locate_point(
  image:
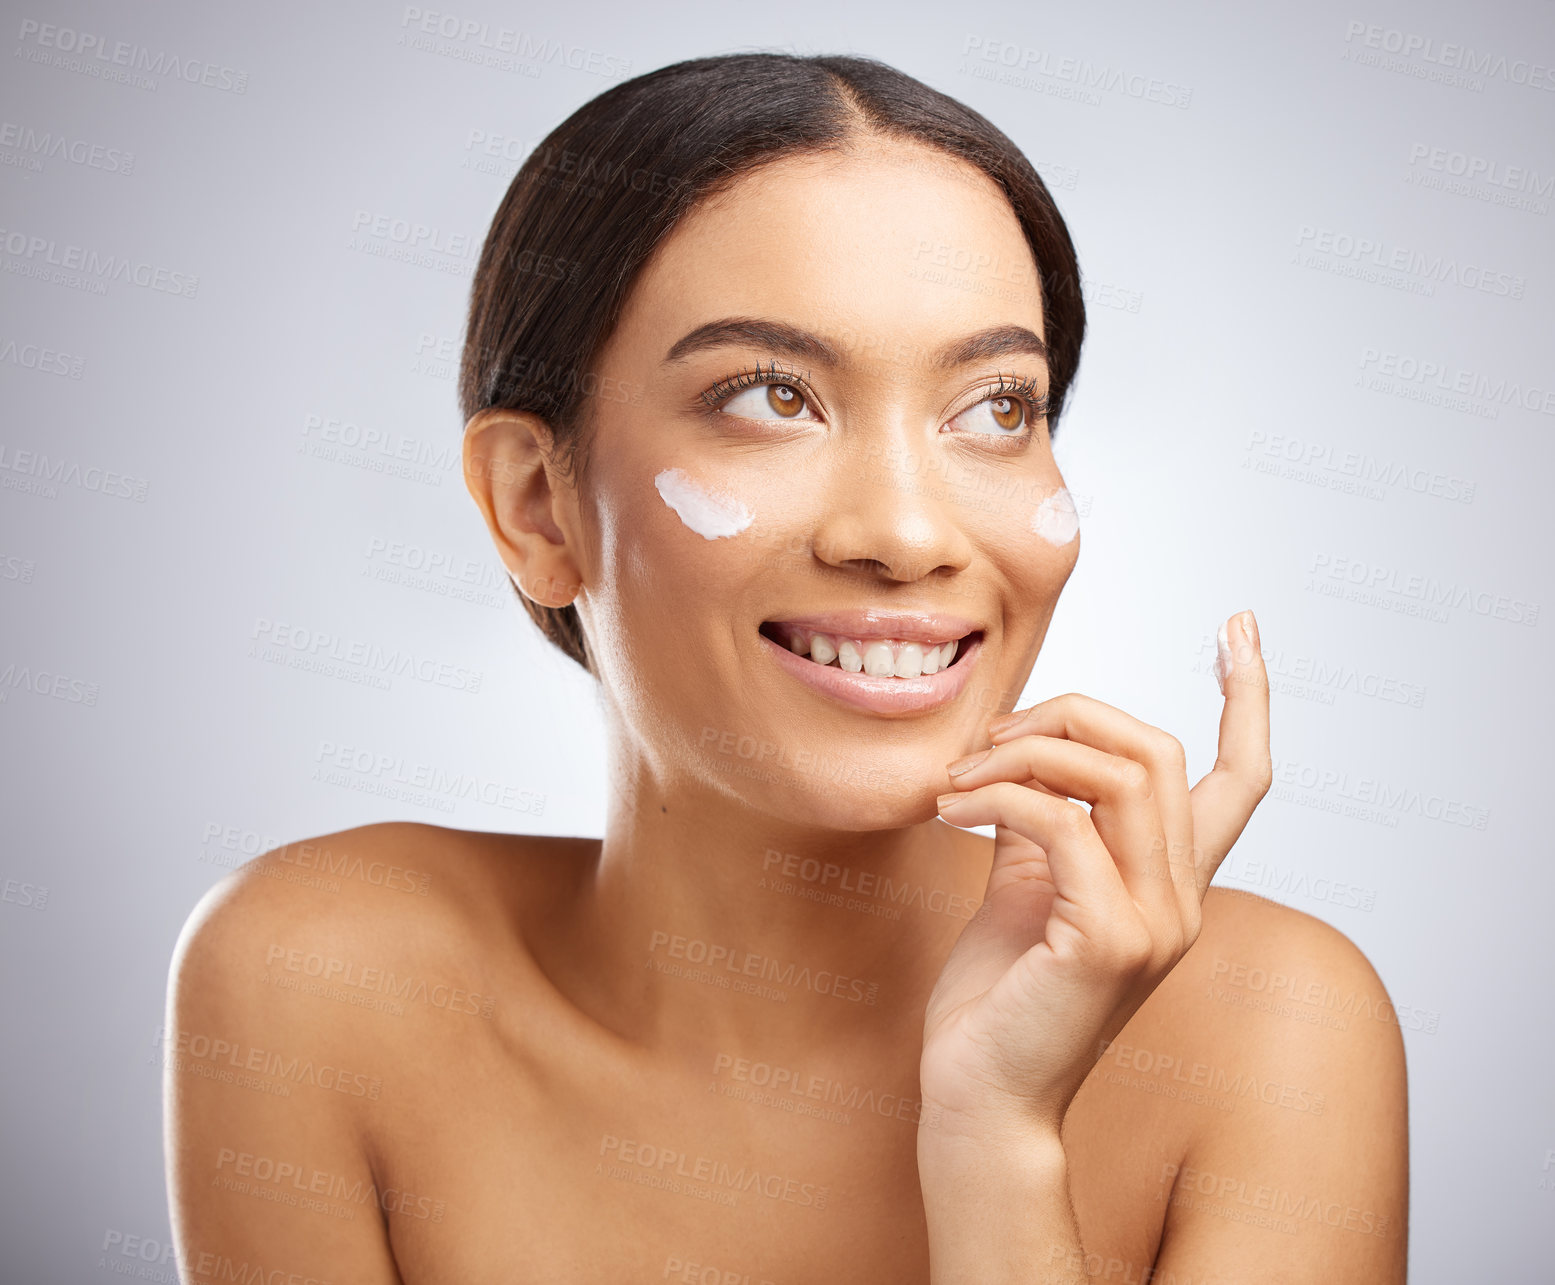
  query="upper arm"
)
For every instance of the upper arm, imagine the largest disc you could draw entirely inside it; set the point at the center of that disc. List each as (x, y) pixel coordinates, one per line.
(264, 1096)
(1303, 1173)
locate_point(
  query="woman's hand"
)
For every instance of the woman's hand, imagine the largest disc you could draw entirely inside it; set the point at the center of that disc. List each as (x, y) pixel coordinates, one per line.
(1086, 912)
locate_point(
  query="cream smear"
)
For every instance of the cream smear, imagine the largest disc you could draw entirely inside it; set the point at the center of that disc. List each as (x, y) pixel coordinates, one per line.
(710, 516)
(1055, 519)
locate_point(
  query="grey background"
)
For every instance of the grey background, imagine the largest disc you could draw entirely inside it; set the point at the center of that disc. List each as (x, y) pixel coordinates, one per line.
(1410, 750)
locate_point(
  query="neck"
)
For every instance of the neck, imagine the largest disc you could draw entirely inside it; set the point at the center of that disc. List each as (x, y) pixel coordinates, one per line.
(714, 926)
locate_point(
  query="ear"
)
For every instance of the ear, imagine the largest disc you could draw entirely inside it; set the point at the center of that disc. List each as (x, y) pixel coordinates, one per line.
(529, 506)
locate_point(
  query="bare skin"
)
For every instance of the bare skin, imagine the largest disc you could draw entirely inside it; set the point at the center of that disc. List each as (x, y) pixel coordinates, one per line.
(564, 1096)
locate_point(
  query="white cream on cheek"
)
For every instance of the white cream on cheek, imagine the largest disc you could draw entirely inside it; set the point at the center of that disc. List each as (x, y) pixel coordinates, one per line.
(710, 515)
(1055, 519)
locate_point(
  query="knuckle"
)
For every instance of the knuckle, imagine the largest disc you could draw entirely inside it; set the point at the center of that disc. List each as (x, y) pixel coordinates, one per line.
(1061, 707)
(1192, 924)
(1071, 820)
(1132, 776)
(1172, 753)
(1006, 793)
(1133, 946)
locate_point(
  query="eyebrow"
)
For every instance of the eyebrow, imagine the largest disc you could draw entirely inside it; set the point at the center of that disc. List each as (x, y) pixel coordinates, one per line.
(779, 336)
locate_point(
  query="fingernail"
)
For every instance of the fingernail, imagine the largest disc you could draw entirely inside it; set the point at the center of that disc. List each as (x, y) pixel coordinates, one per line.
(1250, 628)
(1003, 722)
(968, 763)
(1222, 666)
(949, 800)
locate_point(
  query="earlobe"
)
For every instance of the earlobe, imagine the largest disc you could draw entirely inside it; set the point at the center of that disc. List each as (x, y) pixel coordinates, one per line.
(547, 591)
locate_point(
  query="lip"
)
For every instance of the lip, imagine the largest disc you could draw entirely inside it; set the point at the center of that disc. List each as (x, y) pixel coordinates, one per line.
(870, 626)
(880, 695)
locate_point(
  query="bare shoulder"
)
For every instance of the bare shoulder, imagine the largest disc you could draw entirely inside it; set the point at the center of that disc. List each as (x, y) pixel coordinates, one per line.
(392, 888)
(1256, 955)
(350, 941)
(1266, 984)
(1292, 1041)
(307, 988)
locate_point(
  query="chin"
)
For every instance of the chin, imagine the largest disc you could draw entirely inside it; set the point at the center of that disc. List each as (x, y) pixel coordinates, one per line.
(837, 792)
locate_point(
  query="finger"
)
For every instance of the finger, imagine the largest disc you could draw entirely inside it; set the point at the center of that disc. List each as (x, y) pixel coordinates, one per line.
(1224, 799)
(1085, 879)
(1123, 807)
(1092, 722)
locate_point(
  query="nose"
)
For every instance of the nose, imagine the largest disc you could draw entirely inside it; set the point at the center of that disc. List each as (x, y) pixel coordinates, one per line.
(884, 513)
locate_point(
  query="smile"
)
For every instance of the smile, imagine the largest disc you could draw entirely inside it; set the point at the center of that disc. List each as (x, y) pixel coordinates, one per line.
(877, 657)
(886, 665)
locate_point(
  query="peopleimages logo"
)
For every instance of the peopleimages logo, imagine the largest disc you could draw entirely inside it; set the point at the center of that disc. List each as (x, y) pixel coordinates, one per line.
(1443, 377)
(829, 879)
(523, 45)
(280, 639)
(786, 1082)
(247, 1058)
(1086, 76)
(43, 474)
(1482, 169)
(1382, 582)
(670, 1163)
(1379, 794)
(94, 55)
(377, 773)
(383, 981)
(33, 255)
(1379, 257)
(1448, 56)
(303, 1178)
(744, 963)
(78, 151)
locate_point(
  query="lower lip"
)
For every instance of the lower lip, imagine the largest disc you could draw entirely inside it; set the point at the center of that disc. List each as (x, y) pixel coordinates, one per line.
(879, 695)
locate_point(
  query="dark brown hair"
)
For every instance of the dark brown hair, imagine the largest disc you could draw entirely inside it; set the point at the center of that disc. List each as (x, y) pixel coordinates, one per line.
(592, 202)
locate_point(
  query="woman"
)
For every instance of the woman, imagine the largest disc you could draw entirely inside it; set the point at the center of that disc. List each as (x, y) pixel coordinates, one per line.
(764, 359)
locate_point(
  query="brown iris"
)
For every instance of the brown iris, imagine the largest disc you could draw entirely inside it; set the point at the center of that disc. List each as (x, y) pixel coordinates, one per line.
(784, 400)
(1004, 407)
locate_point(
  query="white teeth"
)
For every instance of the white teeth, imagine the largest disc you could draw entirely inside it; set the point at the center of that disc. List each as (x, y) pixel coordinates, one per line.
(878, 658)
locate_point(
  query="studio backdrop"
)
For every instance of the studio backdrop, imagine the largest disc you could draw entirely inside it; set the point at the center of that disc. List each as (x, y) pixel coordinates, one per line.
(247, 599)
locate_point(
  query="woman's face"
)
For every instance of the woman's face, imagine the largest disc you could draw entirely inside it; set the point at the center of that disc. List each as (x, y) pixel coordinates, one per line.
(728, 520)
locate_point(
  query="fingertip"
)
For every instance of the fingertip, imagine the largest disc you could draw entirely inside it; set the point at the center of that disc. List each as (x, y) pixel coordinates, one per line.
(1236, 646)
(1003, 722)
(1249, 656)
(1249, 626)
(1222, 666)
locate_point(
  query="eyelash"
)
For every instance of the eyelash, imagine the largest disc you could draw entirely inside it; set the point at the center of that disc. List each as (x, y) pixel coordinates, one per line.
(1025, 390)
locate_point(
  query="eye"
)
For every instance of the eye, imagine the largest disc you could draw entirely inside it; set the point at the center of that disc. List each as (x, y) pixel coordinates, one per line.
(1003, 416)
(1006, 414)
(783, 401)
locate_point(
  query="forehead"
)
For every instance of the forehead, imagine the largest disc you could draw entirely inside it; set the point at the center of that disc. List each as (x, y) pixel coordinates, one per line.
(888, 247)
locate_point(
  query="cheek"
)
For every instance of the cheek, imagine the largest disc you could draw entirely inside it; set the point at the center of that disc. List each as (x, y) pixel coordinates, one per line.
(714, 512)
(1034, 522)
(1031, 534)
(1056, 519)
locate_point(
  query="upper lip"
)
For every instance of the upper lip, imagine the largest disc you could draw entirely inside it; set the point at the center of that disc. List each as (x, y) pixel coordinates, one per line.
(867, 622)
